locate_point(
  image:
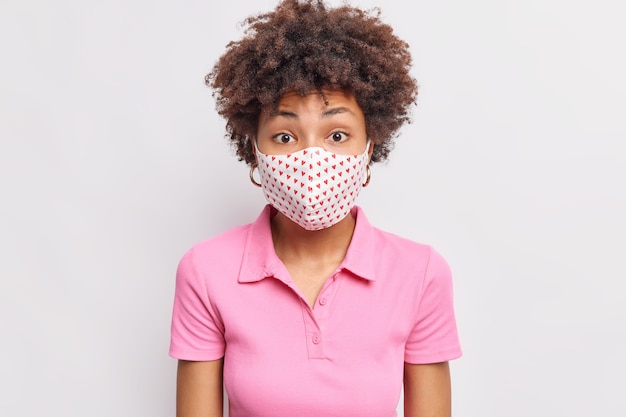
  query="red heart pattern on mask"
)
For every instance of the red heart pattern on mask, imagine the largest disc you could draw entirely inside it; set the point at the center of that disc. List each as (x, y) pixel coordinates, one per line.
(319, 190)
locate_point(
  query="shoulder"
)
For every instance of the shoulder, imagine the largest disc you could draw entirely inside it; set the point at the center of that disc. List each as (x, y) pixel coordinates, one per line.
(371, 238)
(407, 250)
(398, 242)
(236, 240)
(223, 248)
(388, 251)
(223, 242)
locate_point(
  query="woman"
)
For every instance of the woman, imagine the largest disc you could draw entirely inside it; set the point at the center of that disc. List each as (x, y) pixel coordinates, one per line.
(310, 310)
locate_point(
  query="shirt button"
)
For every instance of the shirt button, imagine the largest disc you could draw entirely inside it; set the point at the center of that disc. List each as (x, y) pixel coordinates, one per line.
(323, 301)
(316, 339)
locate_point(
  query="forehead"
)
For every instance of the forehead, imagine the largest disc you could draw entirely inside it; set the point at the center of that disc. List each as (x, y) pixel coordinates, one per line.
(315, 101)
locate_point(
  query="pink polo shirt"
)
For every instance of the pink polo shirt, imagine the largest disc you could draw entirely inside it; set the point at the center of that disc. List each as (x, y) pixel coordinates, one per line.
(389, 302)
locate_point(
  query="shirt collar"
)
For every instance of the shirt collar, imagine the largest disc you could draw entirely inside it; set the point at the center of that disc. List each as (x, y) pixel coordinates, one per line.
(260, 260)
(361, 254)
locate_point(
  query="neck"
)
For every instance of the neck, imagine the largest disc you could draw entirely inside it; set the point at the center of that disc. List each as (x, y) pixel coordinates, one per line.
(294, 243)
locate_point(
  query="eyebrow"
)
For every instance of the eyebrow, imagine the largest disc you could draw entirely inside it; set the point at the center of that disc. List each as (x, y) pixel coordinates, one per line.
(325, 113)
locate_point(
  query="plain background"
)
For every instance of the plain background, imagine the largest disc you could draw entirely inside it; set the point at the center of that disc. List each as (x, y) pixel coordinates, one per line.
(113, 163)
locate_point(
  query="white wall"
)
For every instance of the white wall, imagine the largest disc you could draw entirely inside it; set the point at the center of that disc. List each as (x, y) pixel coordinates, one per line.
(113, 163)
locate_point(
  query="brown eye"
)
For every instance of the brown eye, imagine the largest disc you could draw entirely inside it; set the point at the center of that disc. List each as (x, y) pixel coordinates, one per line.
(284, 138)
(338, 137)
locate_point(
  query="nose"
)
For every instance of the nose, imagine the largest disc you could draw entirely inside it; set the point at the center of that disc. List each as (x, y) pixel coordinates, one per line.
(309, 139)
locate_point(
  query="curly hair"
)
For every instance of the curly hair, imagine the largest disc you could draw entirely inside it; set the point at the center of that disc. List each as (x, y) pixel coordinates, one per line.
(303, 46)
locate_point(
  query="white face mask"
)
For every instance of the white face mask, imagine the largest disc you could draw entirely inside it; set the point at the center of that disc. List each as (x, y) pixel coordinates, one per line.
(313, 187)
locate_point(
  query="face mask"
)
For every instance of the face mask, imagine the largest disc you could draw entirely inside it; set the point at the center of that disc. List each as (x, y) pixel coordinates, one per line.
(313, 187)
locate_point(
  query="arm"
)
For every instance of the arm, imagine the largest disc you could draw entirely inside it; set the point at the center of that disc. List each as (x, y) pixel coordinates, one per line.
(427, 390)
(199, 390)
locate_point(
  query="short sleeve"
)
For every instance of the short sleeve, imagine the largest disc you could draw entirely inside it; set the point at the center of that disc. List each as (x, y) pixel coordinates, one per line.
(197, 333)
(434, 337)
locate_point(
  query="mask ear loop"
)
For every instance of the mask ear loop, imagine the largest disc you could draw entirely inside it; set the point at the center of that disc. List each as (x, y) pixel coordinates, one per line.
(253, 166)
(369, 176)
(367, 167)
